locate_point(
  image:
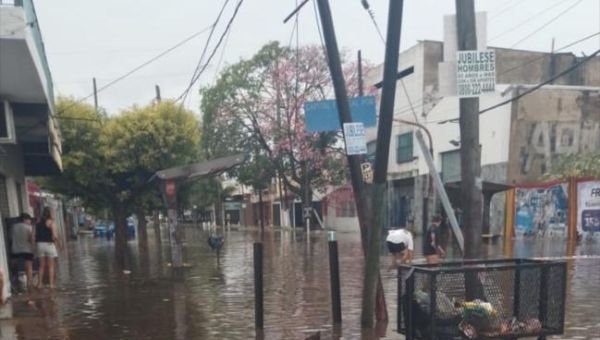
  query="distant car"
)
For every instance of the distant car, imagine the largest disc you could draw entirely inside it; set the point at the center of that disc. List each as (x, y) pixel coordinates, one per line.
(104, 229)
(107, 229)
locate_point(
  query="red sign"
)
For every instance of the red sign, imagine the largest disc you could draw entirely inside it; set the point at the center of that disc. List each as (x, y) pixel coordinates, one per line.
(170, 188)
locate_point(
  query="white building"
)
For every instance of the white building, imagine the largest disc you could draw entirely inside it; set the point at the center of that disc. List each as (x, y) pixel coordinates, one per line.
(29, 139)
(518, 140)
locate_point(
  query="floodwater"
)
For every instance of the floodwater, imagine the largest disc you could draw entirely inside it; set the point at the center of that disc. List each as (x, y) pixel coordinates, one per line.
(215, 300)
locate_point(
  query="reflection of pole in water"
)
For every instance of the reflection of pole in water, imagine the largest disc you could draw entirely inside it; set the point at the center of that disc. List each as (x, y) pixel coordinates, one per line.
(180, 311)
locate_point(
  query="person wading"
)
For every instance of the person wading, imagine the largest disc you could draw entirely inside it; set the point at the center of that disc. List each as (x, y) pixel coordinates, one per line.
(46, 238)
(22, 245)
(432, 248)
(400, 245)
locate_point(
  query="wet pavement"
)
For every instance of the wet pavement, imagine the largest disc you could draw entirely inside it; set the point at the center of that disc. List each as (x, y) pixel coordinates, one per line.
(215, 301)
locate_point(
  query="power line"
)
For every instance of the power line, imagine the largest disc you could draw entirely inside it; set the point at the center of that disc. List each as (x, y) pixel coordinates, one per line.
(551, 79)
(214, 51)
(556, 4)
(534, 88)
(319, 27)
(205, 49)
(137, 68)
(547, 23)
(544, 54)
(367, 8)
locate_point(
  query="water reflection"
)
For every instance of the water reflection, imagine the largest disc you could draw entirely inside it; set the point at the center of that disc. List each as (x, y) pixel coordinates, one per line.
(215, 300)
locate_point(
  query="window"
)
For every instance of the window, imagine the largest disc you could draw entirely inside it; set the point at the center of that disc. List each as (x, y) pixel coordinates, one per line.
(404, 150)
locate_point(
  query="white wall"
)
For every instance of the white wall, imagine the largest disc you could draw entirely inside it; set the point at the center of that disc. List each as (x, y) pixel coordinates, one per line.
(494, 130)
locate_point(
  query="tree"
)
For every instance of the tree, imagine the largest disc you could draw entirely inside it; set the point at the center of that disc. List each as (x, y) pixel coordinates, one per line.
(108, 161)
(576, 165)
(258, 174)
(258, 103)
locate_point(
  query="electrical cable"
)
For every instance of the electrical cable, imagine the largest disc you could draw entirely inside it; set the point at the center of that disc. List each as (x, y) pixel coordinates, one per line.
(559, 2)
(534, 88)
(319, 28)
(137, 68)
(212, 54)
(547, 23)
(205, 48)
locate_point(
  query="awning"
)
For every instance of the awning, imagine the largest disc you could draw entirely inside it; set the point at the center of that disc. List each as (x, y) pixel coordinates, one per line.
(201, 169)
(487, 187)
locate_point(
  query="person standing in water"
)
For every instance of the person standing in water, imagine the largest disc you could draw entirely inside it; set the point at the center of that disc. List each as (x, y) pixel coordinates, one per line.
(22, 245)
(432, 248)
(46, 239)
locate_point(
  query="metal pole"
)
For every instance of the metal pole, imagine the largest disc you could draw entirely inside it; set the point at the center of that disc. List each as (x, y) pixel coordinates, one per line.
(95, 95)
(258, 285)
(470, 150)
(361, 90)
(384, 133)
(157, 89)
(334, 277)
(341, 96)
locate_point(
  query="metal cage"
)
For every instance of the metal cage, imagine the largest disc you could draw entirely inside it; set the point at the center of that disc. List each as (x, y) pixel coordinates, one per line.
(482, 299)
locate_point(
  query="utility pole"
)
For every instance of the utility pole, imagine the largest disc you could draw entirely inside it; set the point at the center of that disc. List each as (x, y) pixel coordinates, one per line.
(95, 95)
(382, 151)
(470, 150)
(341, 96)
(157, 89)
(361, 89)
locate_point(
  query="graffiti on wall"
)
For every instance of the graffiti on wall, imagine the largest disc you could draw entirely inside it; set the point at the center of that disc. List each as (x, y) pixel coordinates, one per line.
(541, 211)
(544, 141)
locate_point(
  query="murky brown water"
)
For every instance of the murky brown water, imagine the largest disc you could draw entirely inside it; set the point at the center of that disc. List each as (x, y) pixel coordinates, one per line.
(215, 301)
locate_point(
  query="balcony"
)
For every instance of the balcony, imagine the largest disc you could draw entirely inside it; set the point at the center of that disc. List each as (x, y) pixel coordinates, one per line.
(26, 83)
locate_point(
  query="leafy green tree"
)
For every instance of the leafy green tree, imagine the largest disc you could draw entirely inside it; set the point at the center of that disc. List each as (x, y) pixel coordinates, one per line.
(108, 161)
(576, 165)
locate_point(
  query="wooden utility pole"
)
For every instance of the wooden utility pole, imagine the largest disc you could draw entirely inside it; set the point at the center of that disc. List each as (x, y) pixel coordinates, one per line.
(341, 96)
(382, 152)
(157, 89)
(361, 89)
(470, 150)
(95, 95)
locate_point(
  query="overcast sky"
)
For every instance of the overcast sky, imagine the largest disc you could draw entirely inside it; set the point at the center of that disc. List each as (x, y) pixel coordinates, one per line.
(105, 39)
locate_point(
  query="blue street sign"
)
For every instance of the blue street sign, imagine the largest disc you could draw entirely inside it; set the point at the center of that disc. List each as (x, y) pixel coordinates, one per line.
(322, 115)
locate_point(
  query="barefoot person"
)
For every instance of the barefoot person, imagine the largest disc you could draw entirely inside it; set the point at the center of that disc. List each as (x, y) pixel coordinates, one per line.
(22, 245)
(432, 248)
(400, 245)
(46, 238)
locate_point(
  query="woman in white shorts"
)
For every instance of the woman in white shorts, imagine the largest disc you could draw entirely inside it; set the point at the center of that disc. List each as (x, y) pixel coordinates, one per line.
(46, 240)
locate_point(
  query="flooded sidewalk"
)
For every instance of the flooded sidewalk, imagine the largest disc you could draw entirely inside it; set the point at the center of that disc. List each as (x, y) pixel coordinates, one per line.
(215, 300)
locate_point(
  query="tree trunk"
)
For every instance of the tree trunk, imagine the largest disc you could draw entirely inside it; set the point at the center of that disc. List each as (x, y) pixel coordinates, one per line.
(261, 213)
(142, 230)
(156, 224)
(120, 219)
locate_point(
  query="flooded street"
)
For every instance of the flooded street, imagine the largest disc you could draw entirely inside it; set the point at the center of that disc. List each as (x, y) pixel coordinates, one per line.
(215, 301)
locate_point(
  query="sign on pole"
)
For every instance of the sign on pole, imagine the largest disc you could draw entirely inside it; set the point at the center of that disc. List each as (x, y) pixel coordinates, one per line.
(356, 143)
(322, 115)
(475, 73)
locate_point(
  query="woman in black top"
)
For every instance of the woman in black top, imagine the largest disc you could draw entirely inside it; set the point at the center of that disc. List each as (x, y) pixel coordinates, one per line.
(432, 248)
(46, 240)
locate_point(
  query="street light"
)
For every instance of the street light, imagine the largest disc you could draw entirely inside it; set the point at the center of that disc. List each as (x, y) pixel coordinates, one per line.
(430, 179)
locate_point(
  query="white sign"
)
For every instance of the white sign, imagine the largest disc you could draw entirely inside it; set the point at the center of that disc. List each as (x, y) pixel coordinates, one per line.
(588, 207)
(475, 73)
(356, 143)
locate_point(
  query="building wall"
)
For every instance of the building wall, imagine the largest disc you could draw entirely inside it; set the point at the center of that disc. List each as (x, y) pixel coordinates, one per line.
(550, 122)
(11, 161)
